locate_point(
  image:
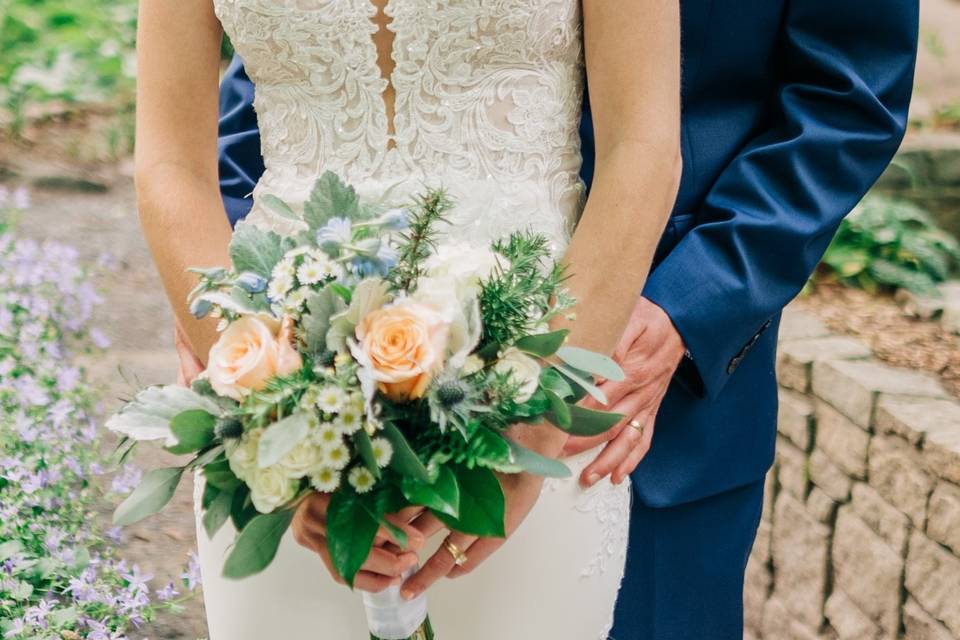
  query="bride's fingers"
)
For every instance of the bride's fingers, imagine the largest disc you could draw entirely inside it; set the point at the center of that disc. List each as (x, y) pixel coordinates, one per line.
(439, 565)
(364, 580)
(617, 449)
(479, 551)
(637, 454)
(415, 538)
(385, 563)
(428, 524)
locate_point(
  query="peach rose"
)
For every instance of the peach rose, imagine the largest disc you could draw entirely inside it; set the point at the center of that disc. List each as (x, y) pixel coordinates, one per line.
(403, 347)
(250, 352)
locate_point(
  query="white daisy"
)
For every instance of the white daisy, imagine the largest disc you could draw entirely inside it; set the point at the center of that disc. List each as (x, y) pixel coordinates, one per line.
(296, 299)
(332, 270)
(286, 267)
(311, 272)
(331, 399)
(382, 451)
(326, 480)
(280, 284)
(327, 435)
(337, 457)
(361, 479)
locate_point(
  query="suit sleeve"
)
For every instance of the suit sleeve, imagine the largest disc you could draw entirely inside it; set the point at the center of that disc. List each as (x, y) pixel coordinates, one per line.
(241, 164)
(765, 224)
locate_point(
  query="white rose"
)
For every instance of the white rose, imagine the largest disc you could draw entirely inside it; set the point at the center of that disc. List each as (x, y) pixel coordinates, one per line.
(305, 459)
(242, 453)
(270, 488)
(467, 264)
(459, 308)
(524, 370)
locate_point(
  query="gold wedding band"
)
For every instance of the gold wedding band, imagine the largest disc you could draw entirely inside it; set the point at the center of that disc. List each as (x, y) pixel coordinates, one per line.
(459, 557)
(636, 424)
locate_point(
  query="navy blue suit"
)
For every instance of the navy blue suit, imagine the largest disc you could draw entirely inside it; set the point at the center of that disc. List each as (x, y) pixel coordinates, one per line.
(791, 110)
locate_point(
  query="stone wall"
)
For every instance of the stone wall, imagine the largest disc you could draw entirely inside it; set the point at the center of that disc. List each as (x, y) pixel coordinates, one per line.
(860, 536)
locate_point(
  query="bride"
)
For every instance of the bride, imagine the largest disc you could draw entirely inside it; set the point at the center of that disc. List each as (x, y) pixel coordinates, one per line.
(482, 97)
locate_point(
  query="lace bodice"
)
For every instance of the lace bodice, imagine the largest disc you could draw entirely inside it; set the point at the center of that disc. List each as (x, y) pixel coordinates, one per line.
(487, 104)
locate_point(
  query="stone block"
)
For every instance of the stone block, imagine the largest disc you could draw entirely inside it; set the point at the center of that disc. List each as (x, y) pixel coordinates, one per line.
(842, 440)
(769, 493)
(795, 419)
(829, 477)
(756, 590)
(799, 325)
(791, 469)
(943, 519)
(779, 625)
(795, 358)
(933, 578)
(914, 418)
(897, 473)
(941, 451)
(821, 506)
(852, 386)
(920, 625)
(868, 571)
(761, 544)
(885, 520)
(847, 620)
(800, 547)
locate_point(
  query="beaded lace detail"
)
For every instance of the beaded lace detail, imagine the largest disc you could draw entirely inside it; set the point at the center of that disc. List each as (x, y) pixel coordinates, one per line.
(487, 104)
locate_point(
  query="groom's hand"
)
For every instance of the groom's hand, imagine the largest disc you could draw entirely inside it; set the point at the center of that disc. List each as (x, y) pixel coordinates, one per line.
(649, 353)
(386, 562)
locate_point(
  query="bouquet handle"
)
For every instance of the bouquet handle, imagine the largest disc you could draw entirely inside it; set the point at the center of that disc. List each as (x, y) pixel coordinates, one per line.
(390, 617)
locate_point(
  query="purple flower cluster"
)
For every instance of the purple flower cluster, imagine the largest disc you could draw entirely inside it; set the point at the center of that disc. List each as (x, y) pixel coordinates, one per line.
(60, 575)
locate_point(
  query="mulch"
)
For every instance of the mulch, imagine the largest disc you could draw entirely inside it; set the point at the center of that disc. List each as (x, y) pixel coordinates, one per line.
(895, 337)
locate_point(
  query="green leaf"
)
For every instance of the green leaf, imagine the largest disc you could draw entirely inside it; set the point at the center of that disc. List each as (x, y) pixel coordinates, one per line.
(236, 300)
(148, 415)
(242, 510)
(351, 530)
(252, 249)
(210, 494)
(404, 460)
(221, 476)
(590, 362)
(364, 447)
(321, 307)
(559, 413)
(442, 495)
(279, 207)
(587, 422)
(193, 430)
(150, 497)
(257, 545)
(543, 344)
(376, 504)
(532, 462)
(331, 198)
(581, 380)
(217, 513)
(550, 380)
(281, 438)
(482, 504)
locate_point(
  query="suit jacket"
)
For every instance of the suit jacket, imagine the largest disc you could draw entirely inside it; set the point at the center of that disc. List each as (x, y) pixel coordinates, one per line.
(791, 110)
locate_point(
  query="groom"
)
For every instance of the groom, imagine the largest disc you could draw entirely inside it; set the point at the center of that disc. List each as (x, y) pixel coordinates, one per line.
(791, 109)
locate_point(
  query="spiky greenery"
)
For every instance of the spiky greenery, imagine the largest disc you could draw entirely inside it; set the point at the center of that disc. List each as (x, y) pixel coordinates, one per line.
(528, 287)
(419, 241)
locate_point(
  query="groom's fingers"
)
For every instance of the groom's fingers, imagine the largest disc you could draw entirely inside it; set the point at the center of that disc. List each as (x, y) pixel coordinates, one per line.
(439, 565)
(428, 524)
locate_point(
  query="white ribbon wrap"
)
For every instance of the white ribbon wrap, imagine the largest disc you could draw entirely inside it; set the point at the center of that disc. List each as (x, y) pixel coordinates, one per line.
(390, 617)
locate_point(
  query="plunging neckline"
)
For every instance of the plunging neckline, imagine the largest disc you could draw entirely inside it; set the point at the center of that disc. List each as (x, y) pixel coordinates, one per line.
(386, 64)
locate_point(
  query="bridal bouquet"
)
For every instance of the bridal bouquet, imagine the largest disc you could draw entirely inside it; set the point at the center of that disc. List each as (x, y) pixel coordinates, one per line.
(365, 358)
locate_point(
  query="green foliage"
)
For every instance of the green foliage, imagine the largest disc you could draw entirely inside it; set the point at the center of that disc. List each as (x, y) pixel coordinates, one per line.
(418, 242)
(892, 244)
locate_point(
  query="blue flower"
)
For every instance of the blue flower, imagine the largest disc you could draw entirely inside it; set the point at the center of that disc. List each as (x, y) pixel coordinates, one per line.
(333, 235)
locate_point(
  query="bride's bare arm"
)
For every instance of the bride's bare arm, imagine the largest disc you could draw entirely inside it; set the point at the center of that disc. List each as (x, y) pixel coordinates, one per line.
(633, 71)
(182, 215)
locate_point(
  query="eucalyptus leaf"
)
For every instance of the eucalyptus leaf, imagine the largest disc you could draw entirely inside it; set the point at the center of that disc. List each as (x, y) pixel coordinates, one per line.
(442, 495)
(217, 513)
(279, 207)
(221, 476)
(591, 362)
(236, 300)
(482, 504)
(151, 496)
(351, 530)
(257, 545)
(542, 344)
(550, 380)
(587, 422)
(281, 438)
(532, 462)
(559, 413)
(582, 380)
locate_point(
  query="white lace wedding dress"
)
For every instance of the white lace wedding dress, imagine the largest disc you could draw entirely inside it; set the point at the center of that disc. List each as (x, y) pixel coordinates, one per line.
(487, 104)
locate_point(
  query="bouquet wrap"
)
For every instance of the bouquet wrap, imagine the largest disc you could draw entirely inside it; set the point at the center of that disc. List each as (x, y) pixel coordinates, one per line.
(390, 617)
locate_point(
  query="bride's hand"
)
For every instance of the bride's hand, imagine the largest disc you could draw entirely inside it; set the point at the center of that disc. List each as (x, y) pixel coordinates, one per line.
(521, 492)
(190, 365)
(387, 560)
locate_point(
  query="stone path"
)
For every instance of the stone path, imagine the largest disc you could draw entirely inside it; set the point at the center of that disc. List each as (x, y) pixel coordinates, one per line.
(136, 317)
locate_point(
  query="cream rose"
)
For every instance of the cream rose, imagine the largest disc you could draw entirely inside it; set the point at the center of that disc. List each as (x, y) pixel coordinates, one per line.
(242, 453)
(524, 371)
(250, 352)
(402, 347)
(270, 488)
(305, 459)
(467, 264)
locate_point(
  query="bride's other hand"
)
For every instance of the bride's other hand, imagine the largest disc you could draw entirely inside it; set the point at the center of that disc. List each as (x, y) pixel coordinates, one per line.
(387, 561)
(649, 353)
(190, 365)
(521, 492)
